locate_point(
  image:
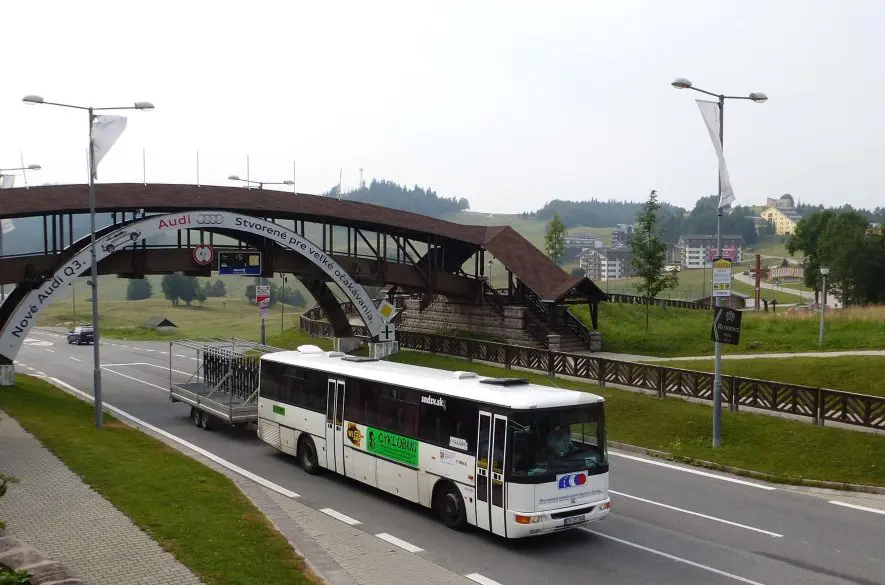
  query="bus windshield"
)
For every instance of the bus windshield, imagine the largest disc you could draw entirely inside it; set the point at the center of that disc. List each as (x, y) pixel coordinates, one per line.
(554, 441)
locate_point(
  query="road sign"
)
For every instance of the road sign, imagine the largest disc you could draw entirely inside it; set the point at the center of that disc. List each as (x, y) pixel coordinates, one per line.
(726, 325)
(262, 293)
(203, 254)
(721, 277)
(387, 310)
(244, 263)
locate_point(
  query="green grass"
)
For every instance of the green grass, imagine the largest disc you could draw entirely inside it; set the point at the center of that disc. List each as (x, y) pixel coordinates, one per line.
(193, 512)
(785, 449)
(796, 286)
(772, 246)
(686, 332)
(218, 317)
(861, 374)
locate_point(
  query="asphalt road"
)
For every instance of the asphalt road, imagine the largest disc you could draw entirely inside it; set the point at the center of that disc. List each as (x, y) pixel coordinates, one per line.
(670, 524)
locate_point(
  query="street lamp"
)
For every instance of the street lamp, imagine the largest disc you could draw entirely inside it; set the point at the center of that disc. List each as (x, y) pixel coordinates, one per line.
(824, 271)
(758, 97)
(260, 184)
(96, 359)
(2, 171)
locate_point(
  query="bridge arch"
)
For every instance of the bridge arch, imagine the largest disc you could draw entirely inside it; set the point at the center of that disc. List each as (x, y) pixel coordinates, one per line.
(28, 310)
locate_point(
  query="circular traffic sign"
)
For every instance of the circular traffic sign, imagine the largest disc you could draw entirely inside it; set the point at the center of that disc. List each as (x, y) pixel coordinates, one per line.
(203, 254)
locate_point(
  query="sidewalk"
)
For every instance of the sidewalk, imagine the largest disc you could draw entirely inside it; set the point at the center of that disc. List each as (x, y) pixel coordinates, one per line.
(52, 510)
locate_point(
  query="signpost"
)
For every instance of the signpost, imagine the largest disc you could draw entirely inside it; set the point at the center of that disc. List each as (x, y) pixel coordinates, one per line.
(726, 326)
(262, 297)
(242, 263)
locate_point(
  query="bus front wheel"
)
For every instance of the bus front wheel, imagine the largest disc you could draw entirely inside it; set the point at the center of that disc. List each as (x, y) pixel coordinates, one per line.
(450, 507)
(307, 455)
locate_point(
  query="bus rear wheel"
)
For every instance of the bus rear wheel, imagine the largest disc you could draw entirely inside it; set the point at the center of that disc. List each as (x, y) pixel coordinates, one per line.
(307, 455)
(450, 507)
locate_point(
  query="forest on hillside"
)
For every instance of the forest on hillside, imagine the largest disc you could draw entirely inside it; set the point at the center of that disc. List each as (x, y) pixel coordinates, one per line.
(416, 199)
(596, 213)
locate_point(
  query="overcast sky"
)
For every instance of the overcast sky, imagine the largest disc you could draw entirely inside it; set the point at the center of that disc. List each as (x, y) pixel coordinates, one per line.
(509, 104)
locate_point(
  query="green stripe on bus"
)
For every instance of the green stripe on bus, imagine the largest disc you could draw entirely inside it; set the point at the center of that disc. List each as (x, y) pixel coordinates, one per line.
(278, 409)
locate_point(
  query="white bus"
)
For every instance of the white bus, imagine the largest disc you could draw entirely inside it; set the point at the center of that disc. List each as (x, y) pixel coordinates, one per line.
(428, 435)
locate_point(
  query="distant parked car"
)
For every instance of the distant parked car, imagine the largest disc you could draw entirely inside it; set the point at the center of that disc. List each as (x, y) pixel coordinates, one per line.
(80, 335)
(124, 238)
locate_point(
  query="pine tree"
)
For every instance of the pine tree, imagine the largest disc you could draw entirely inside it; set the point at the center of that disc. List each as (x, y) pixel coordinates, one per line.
(650, 255)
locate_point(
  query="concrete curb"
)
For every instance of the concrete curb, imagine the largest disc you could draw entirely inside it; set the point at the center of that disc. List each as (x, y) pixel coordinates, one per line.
(833, 485)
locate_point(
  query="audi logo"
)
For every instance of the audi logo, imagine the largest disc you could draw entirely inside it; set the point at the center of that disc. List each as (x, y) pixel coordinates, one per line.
(210, 219)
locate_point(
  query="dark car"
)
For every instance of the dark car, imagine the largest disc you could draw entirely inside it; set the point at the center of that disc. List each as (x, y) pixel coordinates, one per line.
(81, 335)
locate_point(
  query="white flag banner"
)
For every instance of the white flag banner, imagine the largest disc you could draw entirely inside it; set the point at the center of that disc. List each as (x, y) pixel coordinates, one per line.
(105, 132)
(7, 182)
(710, 112)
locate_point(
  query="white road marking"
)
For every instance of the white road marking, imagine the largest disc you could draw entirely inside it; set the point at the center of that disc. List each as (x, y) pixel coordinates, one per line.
(70, 357)
(339, 516)
(195, 359)
(144, 349)
(693, 471)
(146, 364)
(30, 369)
(400, 543)
(17, 363)
(165, 352)
(41, 374)
(477, 578)
(181, 356)
(856, 507)
(121, 345)
(223, 462)
(674, 558)
(105, 368)
(49, 350)
(698, 514)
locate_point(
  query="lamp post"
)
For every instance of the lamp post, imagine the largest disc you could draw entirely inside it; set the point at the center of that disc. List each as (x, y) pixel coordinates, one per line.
(96, 359)
(758, 97)
(2, 172)
(261, 184)
(282, 297)
(824, 271)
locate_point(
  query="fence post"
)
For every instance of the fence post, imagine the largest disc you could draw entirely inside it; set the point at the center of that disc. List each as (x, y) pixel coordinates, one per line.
(735, 403)
(602, 364)
(507, 356)
(819, 408)
(550, 364)
(661, 385)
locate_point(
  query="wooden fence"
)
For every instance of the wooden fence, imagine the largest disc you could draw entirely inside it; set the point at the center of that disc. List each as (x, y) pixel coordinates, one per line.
(819, 404)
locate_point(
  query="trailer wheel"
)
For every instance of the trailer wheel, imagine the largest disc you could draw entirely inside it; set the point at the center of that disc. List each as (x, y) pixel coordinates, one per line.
(206, 422)
(195, 415)
(307, 455)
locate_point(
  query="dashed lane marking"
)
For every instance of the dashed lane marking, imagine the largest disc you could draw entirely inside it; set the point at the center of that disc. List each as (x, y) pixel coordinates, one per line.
(70, 357)
(856, 507)
(698, 514)
(339, 516)
(673, 557)
(477, 578)
(400, 543)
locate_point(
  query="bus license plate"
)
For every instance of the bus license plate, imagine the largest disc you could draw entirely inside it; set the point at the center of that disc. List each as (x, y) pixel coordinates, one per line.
(574, 520)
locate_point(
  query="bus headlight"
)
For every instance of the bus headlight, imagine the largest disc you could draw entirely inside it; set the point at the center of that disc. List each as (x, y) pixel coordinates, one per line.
(526, 519)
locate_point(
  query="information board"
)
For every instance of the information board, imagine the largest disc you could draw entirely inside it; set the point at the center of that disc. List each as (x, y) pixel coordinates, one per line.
(236, 262)
(726, 325)
(721, 278)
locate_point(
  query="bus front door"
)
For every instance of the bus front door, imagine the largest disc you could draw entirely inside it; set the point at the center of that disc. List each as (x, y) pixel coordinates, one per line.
(335, 426)
(491, 448)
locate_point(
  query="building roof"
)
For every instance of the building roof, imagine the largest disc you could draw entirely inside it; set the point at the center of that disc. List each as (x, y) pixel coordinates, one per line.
(446, 383)
(159, 322)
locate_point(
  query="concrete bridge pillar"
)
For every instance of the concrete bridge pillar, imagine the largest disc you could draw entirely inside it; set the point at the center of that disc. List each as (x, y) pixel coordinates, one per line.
(382, 349)
(347, 344)
(7, 374)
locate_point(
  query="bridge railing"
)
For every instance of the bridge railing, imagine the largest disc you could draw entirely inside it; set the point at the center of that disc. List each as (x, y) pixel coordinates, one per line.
(818, 404)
